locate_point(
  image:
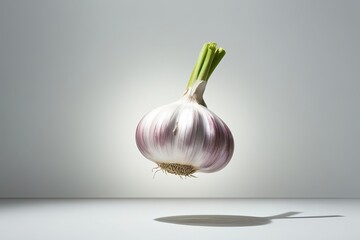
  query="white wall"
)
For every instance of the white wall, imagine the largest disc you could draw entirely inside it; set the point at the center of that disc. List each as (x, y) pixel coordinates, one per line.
(77, 76)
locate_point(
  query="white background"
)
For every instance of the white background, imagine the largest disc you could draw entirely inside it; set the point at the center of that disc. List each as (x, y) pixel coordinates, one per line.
(77, 76)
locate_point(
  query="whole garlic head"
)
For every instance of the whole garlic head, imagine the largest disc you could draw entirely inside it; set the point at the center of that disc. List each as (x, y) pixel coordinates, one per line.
(185, 137)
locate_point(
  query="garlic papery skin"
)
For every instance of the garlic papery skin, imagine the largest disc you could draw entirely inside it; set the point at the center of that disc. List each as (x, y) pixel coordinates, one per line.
(185, 137)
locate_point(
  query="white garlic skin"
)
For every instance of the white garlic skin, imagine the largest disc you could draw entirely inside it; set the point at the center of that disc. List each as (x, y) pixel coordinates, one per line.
(186, 132)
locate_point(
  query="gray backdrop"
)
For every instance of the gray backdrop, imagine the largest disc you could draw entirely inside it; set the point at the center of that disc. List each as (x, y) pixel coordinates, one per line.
(77, 76)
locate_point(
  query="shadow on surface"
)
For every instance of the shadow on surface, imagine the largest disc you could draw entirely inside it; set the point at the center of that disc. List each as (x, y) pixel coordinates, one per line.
(230, 220)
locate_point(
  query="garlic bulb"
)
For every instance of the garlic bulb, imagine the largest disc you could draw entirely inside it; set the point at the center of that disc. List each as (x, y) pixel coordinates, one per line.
(185, 137)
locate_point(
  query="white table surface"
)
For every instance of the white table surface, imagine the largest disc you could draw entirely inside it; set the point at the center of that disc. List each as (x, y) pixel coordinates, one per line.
(110, 219)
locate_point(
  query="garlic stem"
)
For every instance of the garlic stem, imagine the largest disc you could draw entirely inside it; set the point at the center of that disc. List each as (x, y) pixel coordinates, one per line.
(197, 68)
(219, 54)
(203, 75)
(208, 59)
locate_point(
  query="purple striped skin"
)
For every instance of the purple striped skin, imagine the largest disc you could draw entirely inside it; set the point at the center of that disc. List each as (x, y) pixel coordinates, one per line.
(185, 132)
